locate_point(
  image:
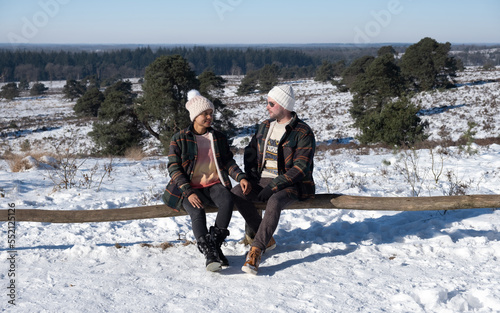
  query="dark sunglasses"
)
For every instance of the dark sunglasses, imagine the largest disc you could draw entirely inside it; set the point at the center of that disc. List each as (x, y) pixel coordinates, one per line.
(271, 104)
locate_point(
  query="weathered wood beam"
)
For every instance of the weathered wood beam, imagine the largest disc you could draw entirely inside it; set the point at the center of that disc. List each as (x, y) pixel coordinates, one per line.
(416, 203)
(322, 201)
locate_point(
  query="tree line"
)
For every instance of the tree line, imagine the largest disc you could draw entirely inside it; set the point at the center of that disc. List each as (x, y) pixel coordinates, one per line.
(294, 62)
(61, 65)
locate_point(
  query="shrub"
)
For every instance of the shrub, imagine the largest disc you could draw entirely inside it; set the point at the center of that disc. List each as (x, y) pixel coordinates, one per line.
(396, 124)
(9, 91)
(38, 89)
(89, 103)
(135, 153)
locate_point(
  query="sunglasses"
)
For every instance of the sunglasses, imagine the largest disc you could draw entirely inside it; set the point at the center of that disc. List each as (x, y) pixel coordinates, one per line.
(271, 104)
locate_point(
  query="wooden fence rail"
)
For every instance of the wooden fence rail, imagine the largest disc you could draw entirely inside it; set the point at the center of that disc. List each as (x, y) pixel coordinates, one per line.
(322, 201)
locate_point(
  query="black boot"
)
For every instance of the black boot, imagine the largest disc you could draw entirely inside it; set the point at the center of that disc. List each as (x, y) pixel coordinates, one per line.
(218, 236)
(207, 247)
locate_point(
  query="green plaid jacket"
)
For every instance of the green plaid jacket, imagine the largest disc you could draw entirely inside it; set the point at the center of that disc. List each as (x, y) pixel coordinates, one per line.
(182, 158)
(295, 158)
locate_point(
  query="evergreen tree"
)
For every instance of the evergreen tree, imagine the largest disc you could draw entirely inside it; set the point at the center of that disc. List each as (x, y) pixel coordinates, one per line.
(248, 84)
(209, 82)
(381, 82)
(426, 65)
(386, 50)
(38, 89)
(356, 68)
(73, 89)
(89, 103)
(268, 77)
(162, 108)
(375, 112)
(117, 127)
(325, 72)
(212, 87)
(9, 91)
(338, 68)
(92, 82)
(397, 124)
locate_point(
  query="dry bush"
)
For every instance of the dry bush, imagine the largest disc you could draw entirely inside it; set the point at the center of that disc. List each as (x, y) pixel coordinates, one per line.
(135, 154)
(23, 162)
(17, 162)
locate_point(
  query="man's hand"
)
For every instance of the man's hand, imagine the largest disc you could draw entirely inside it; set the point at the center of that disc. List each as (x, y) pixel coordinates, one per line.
(265, 194)
(246, 187)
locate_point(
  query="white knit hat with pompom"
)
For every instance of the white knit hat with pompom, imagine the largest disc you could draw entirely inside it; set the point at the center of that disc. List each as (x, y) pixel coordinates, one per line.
(196, 104)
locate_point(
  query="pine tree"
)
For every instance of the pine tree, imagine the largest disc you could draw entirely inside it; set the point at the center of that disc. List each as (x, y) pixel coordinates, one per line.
(117, 127)
(248, 84)
(73, 89)
(380, 109)
(89, 103)
(380, 82)
(38, 89)
(162, 108)
(386, 50)
(426, 65)
(356, 68)
(268, 77)
(396, 124)
(212, 87)
(9, 91)
(325, 72)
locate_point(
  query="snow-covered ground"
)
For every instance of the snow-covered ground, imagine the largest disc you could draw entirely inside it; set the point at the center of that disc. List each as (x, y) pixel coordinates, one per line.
(325, 261)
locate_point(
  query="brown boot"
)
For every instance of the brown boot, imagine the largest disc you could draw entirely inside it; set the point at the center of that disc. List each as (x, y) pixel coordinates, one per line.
(271, 244)
(252, 262)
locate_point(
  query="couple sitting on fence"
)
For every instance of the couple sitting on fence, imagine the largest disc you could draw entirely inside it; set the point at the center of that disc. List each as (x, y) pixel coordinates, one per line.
(278, 169)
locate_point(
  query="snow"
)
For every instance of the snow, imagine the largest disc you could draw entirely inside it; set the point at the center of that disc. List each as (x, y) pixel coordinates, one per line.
(326, 260)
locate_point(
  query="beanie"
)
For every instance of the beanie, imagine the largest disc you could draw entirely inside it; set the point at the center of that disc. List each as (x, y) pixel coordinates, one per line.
(197, 104)
(283, 94)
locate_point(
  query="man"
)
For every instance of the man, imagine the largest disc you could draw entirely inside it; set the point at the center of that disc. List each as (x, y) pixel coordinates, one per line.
(279, 165)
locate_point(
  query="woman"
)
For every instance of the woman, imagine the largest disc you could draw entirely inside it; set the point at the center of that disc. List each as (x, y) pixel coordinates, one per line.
(199, 164)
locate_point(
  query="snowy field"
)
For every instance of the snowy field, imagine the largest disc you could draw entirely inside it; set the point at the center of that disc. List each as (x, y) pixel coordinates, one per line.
(325, 260)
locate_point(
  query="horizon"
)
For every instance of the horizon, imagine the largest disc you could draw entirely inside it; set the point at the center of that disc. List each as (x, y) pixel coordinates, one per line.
(4, 45)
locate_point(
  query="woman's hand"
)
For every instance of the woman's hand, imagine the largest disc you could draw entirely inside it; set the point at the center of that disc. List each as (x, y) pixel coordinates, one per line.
(195, 201)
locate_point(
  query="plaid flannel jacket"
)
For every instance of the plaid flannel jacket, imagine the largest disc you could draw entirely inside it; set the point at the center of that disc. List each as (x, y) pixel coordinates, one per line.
(182, 158)
(295, 158)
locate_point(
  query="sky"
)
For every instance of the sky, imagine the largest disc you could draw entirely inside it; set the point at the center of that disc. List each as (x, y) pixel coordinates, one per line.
(248, 21)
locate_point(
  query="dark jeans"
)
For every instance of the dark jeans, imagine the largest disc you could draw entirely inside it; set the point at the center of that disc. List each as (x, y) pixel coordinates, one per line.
(263, 227)
(216, 195)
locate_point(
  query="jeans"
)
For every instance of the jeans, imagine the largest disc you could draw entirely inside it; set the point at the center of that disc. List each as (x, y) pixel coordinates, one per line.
(216, 195)
(264, 227)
